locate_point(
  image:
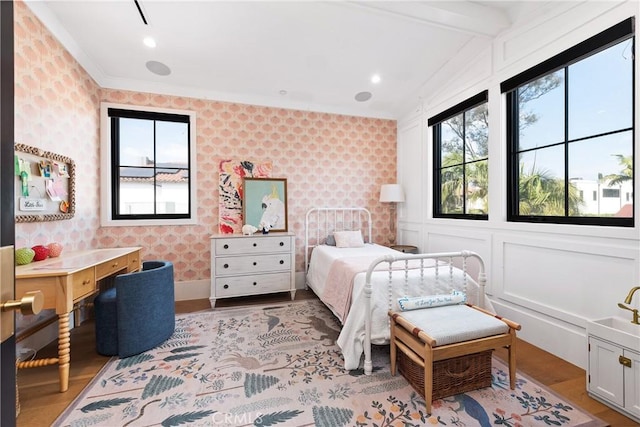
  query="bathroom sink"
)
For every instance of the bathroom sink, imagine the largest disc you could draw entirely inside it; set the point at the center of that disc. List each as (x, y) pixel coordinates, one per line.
(617, 330)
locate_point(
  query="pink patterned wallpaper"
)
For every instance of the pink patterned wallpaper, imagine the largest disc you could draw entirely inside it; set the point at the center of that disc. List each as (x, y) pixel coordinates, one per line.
(328, 159)
(57, 109)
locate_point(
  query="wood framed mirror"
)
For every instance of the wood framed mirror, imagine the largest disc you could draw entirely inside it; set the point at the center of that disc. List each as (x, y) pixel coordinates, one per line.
(44, 185)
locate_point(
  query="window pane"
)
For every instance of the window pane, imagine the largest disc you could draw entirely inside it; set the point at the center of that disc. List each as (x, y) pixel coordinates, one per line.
(476, 132)
(541, 182)
(136, 142)
(451, 190)
(136, 191)
(477, 175)
(172, 143)
(451, 141)
(611, 193)
(599, 166)
(172, 191)
(541, 111)
(601, 91)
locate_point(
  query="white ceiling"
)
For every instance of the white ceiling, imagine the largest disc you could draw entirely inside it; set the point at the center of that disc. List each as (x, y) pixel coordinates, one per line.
(320, 52)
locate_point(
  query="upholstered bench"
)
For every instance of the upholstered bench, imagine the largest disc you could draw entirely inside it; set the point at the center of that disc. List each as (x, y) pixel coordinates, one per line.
(459, 334)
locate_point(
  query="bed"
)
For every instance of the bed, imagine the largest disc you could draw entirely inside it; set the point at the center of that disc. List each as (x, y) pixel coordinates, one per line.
(360, 284)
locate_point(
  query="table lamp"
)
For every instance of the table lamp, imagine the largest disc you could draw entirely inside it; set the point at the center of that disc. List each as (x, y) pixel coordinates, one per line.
(392, 193)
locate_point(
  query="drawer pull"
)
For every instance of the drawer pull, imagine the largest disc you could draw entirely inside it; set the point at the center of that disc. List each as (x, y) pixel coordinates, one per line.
(281, 243)
(281, 261)
(115, 264)
(624, 361)
(255, 263)
(226, 286)
(255, 244)
(226, 246)
(86, 282)
(134, 261)
(226, 266)
(255, 283)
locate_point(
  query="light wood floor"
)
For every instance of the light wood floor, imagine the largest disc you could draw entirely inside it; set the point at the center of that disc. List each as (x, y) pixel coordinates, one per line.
(41, 402)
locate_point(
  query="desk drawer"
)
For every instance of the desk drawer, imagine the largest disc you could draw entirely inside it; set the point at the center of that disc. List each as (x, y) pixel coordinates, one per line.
(252, 264)
(108, 268)
(84, 283)
(135, 263)
(253, 284)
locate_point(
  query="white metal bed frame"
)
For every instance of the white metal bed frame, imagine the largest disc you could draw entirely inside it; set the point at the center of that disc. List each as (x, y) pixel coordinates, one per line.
(329, 219)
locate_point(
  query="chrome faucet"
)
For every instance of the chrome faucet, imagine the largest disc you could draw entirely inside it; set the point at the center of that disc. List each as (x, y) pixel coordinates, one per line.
(627, 300)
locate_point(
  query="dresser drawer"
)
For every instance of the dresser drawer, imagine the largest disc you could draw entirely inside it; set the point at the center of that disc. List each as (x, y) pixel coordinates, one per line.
(252, 264)
(252, 245)
(84, 283)
(252, 284)
(108, 268)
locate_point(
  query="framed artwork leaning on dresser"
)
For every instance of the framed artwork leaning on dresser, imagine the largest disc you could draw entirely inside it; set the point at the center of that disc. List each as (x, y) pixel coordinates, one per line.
(264, 203)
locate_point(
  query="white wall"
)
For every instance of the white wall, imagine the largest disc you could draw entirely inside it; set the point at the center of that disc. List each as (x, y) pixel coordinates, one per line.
(550, 278)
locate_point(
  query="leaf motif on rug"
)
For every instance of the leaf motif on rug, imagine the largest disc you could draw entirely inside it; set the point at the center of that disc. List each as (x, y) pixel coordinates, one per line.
(276, 418)
(133, 360)
(160, 384)
(328, 416)
(186, 418)
(278, 365)
(255, 383)
(105, 404)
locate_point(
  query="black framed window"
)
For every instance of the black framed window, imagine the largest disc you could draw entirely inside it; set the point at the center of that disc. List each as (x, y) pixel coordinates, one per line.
(461, 160)
(570, 132)
(150, 165)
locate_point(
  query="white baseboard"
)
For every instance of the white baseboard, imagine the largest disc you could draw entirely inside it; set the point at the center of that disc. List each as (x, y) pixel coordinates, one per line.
(536, 329)
(194, 289)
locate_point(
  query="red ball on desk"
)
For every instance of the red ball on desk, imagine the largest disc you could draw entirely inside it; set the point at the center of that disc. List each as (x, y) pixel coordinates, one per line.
(42, 252)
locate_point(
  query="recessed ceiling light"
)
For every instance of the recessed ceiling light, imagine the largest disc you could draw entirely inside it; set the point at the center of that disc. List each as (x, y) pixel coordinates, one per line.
(158, 68)
(283, 92)
(149, 42)
(376, 78)
(363, 96)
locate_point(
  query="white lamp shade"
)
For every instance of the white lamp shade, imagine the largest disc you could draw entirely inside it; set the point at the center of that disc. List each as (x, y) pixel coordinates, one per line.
(391, 193)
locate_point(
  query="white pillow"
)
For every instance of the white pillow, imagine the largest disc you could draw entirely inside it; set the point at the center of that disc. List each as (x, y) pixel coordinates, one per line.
(428, 301)
(348, 239)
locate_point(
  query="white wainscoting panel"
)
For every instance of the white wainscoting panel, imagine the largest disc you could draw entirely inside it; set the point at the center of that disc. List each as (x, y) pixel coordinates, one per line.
(562, 339)
(557, 285)
(409, 234)
(410, 176)
(568, 280)
(457, 239)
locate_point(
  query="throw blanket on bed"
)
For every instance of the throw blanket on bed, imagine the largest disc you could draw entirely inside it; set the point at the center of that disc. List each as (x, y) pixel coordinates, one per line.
(342, 273)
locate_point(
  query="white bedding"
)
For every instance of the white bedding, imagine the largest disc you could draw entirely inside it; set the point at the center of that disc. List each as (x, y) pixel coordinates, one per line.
(323, 256)
(351, 338)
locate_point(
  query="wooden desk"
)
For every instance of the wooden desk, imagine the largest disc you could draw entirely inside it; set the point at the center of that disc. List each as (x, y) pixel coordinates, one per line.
(67, 280)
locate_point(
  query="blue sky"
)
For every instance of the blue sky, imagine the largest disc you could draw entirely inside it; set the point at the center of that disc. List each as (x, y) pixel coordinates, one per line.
(600, 94)
(137, 141)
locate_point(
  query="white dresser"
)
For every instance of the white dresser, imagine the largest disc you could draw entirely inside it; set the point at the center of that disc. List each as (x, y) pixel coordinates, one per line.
(250, 265)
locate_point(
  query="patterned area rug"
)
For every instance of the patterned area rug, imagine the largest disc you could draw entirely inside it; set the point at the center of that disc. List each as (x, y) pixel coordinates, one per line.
(278, 365)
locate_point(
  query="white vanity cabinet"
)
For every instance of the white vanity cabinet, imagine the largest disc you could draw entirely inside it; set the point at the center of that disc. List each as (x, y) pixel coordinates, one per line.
(614, 376)
(251, 265)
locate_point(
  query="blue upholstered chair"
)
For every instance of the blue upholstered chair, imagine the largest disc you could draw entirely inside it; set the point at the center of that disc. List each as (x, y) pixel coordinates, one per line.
(138, 313)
